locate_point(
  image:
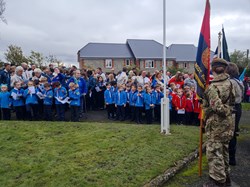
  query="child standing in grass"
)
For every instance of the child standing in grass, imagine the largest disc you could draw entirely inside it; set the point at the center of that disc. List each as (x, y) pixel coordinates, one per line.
(120, 103)
(18, 101)
(158, 95)
(5, 102)
(60, 93)
(47, 102)
(75, 97)
(189, 109)
(139, 105)
(149, 104)
(180, 104)
(31, 101)
(132, 100)
(109, 100)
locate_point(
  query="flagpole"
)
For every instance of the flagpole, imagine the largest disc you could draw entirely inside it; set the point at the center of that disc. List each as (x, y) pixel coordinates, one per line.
(219, 45)
(165, 127)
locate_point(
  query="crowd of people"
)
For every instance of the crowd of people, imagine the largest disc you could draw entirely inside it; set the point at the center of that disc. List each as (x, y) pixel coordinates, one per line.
(46, 93)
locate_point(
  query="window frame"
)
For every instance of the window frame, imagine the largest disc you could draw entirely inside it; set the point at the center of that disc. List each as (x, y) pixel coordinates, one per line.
(127, 62)
(109, 63)
(152, 64)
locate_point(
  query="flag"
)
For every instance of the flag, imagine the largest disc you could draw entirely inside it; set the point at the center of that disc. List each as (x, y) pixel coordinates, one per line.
(202, 65)
(224, 46)
(216, 55)
(242, 75)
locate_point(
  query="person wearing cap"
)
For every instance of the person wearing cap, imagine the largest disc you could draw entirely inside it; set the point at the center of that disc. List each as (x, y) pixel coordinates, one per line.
(5, 75)
(218, 102)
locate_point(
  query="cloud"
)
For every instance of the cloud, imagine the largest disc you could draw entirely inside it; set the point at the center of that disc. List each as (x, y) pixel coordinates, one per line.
(62, 27)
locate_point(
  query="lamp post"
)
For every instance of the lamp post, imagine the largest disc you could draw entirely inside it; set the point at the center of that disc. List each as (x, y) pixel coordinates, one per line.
(165, 127)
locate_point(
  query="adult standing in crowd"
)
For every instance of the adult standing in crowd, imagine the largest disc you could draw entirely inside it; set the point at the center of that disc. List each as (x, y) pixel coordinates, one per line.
(5, 75)
(122, 78)
(233, 72)
(143, 79)
(247, 89)
(17, 77)
(26, 75)
(31, 70)
(58, 77)
(158, 80)
(218, 103)
(177, 80)
(77, 79)
(190, 81)
(101, 73)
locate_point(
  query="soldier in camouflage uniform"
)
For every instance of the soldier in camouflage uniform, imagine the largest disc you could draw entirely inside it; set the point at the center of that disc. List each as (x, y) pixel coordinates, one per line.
(219, 124)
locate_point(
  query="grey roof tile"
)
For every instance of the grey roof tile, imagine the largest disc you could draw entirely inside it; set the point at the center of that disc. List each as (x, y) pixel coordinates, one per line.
(105, 50)
(145, 49)
(183, 52)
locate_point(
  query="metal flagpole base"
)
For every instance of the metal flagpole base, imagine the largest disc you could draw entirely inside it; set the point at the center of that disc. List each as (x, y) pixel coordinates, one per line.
(165, 125)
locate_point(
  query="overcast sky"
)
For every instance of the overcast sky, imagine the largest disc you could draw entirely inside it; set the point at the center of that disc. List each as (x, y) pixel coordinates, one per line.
(62, 27)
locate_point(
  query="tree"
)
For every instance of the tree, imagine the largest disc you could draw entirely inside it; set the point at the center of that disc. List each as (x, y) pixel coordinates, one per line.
(240, 59)
(51, 59)
(36, 58)
(2, 9)
(14, 55)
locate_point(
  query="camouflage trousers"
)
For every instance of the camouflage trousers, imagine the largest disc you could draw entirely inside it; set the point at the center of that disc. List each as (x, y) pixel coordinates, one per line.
(218, 160)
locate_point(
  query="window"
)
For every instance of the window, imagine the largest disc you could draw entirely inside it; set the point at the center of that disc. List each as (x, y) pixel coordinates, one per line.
(185, 65)
(127, 62)
(108, 63)
(149, 64)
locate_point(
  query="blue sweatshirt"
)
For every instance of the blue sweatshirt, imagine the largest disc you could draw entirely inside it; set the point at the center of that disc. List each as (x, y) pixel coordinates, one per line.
(120, 98)
(158, 96)
(60, 93)
(127, 95)
(132, 98)
(148, 100)
(30, 98)
(5, 100)
(75, 95)
(81, 83)
(109, 96)
(139, 99)
(48, 100)
(19, 101)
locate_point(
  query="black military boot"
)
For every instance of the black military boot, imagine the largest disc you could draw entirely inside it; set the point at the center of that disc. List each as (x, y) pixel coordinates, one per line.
(228, 181)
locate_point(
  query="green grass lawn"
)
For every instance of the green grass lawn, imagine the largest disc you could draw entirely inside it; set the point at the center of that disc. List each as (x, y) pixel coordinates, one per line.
(88, 154)
(245, 106)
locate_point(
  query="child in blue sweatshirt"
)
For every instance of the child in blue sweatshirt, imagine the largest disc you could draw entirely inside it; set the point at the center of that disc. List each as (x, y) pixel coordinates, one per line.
(60, 93)
(109, 100)
(132, 100)
(5, 102)
(127, 108)
(47, 102)
(120, 103)
(149, 101)
(139, 105)
(18, 101)
(75, 101)
(31, 101)
(158, 95)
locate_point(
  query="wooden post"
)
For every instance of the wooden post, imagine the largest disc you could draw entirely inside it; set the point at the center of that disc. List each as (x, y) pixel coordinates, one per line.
(200, 144)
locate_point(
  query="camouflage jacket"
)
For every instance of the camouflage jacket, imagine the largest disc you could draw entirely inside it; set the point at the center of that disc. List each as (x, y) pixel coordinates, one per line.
(218, 104)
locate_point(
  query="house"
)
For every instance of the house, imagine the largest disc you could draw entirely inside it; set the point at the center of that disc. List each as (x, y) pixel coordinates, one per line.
(143, 54)
(185, 56)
